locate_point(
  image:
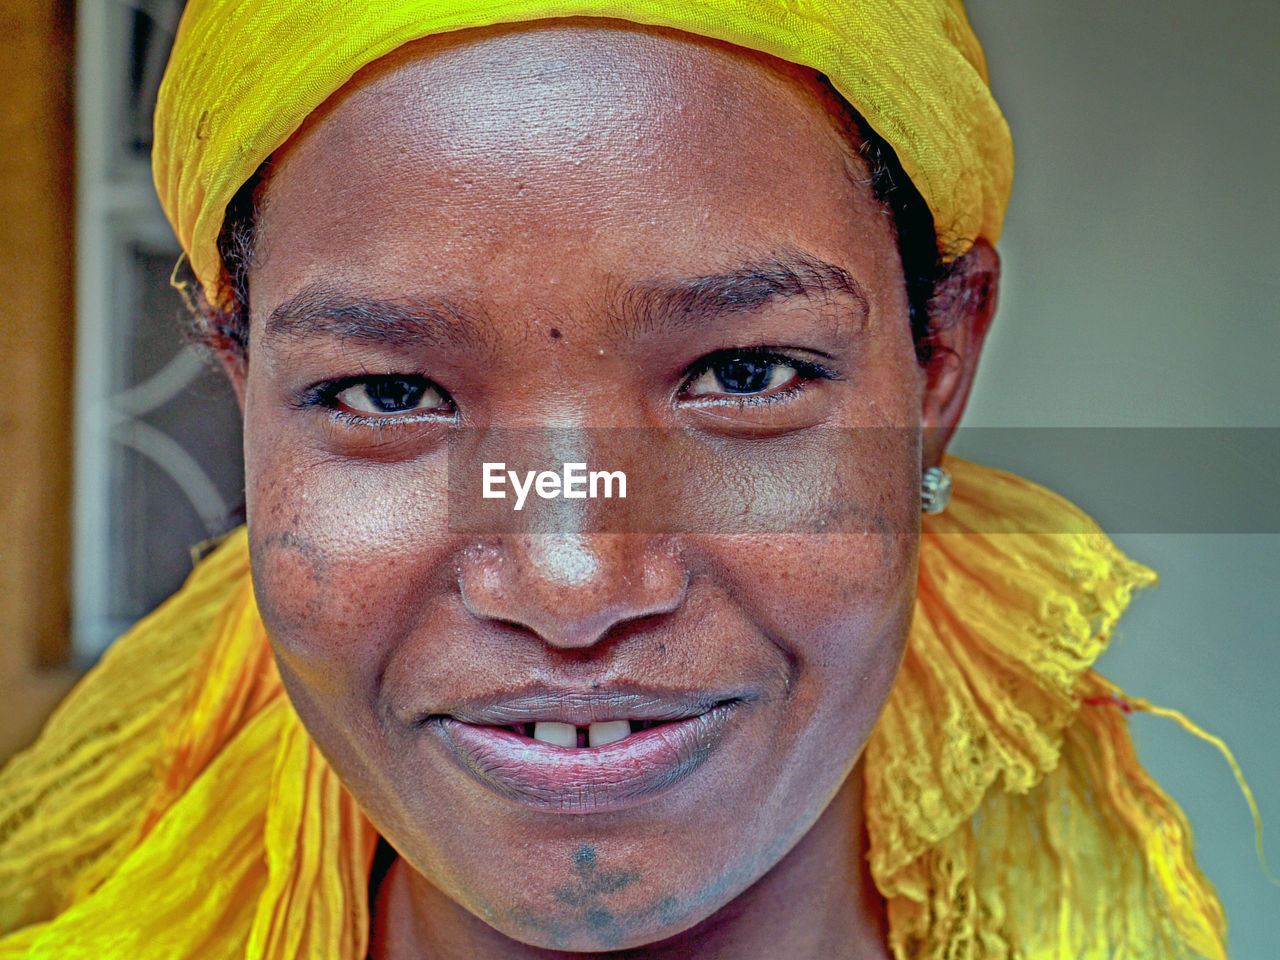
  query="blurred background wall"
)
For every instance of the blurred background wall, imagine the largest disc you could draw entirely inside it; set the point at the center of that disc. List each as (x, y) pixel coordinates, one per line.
(1142, 280)
(121, 442)
(37, 164)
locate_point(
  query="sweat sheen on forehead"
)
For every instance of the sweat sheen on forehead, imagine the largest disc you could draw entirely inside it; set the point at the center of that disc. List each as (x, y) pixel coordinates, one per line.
(560, 87)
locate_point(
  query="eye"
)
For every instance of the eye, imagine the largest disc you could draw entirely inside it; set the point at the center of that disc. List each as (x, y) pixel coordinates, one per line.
(750, 374)
(378, 397)
(389, 395)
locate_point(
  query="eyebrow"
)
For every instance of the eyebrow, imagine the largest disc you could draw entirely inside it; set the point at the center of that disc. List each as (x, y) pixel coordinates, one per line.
(682, 304)
(321, 311)
(668, 305)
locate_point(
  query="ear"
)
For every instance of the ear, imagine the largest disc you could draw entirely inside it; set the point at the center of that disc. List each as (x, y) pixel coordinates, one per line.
(961, 313)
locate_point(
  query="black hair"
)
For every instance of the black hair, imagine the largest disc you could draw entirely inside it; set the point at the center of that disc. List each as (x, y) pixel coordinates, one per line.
(925, 270)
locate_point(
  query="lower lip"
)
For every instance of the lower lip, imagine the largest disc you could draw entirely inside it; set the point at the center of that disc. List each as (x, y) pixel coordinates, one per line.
(584, 779)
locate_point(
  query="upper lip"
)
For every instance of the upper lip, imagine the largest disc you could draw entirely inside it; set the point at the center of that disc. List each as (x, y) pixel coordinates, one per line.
(582, 707)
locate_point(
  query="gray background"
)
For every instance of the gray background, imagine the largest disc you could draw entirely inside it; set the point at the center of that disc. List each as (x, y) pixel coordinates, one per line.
(1141, 287)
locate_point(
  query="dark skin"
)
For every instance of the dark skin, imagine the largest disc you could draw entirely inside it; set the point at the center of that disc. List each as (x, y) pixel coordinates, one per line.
(478, 254)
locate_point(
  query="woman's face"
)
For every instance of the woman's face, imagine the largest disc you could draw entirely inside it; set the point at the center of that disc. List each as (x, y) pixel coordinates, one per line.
(641, 252)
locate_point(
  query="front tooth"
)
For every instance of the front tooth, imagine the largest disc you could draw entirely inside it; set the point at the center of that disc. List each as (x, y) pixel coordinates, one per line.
(561, 734)
(602, 734)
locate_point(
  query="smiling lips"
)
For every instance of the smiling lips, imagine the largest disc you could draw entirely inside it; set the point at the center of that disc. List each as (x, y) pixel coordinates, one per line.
(584, 753)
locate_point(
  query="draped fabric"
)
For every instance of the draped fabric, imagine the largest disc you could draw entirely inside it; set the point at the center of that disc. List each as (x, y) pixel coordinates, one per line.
(244, 74)
(176, 807)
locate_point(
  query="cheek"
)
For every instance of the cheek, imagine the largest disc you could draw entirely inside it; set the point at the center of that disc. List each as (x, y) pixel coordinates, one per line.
(845, 557)
(338, 557)
(842, 618)
(838, 604)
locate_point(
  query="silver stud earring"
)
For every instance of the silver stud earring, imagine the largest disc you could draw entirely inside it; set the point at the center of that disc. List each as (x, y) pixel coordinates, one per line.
(935, 490)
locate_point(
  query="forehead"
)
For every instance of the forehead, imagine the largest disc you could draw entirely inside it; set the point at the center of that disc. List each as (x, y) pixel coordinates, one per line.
(500, 152)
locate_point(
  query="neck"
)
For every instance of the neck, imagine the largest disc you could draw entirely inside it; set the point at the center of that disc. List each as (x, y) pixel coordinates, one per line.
(819, 900)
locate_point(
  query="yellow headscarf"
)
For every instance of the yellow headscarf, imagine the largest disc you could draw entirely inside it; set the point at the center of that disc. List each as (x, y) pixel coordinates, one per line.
(175, 805)
(244, 74)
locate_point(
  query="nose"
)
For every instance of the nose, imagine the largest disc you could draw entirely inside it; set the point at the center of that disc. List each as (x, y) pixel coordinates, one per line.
(572, 590)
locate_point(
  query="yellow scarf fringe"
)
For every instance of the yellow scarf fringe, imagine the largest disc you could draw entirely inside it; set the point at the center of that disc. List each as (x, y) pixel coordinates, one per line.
(176, 807)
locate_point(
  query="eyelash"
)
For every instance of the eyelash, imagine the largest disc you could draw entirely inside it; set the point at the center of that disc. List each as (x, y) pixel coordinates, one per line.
(807, 371)
(325, 394)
